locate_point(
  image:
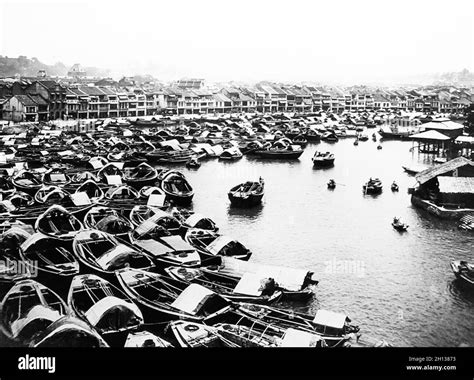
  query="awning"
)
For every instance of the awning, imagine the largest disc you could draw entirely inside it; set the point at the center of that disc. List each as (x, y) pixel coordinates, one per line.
(330, 319)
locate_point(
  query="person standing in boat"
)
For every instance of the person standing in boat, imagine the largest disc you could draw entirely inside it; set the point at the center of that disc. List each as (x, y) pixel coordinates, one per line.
(261, 181)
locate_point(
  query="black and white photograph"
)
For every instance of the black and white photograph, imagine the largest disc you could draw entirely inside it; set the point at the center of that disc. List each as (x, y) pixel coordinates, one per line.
(271, 184)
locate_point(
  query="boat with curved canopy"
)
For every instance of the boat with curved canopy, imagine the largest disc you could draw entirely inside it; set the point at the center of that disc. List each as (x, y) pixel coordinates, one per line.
(139, 176)
(145, 339)
(176, 187)
(27, 182)
(11, 239)
(209, 242)
(92, 189)
(21, 200)
(165, 298)
(463, 271)
(52, 257)
(68, 331)
(103, 253)
(105, 307)
(58, 222)
(249, 288)
(28, 308)
(55, 177)
(107, 220)
(52, 195)
(121, 193)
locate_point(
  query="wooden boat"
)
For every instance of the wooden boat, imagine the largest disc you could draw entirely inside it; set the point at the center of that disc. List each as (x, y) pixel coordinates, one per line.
(52, 195)
(247, 194)
(463, 271)
(12, 267)
(209, 242)
(140, 213)
(373, 186)
(331, 184)
(192, 334)
(295, 284)
(6, 186)
(21, 200)
(231, 154)
(162, 245)
(27, 181)
(399, 225)
(193, 163)
(191, 219)
(145, 339)
(300, 140)
(330, 136)
(379, 147)
(69, 332)
(28, 308)
(53, 259)
(107, 171)
(165, 298)
(244, 336)
(362, 137)
(103, 253)
(122, 193)
(92, 189)
(97, 162)
(139, 176)
(323, 159)
(280, 152)
(107, 220)
(313, 135)
(176, 187)
(250, 287)
(413, 170)
(81, 178)
(356, 142)
(335, 329)
(55, 177)
(394, 186)
(57, 222)
(105, 307)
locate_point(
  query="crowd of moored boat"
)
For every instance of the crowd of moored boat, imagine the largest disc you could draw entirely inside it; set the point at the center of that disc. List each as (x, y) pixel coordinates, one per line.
(97, 247)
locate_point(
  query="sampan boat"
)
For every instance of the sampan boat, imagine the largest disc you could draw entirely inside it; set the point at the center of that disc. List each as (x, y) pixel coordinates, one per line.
(70, 332)
(92, 189)
(28, 308)
(102, 253)
(323, 159)
(164, 247)
(209, 242)
(463, 271)
(145, 339)
(192, 334)
(107, 220)
(250, 287)
(334, 328)
(57, 222)
(105, 307)
(163, 298)
(27, 181)
(176, 187)
(53, 259)
(139, 176)
(11, 261)
(246, 194)
(295, 284)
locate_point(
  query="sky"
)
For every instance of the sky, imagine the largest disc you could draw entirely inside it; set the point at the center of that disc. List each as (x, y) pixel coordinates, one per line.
(359, 41)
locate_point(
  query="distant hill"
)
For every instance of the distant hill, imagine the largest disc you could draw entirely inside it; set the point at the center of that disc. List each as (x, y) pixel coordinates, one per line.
(31, 66)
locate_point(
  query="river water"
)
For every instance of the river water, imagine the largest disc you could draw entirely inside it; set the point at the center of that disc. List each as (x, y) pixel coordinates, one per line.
(395, 286)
